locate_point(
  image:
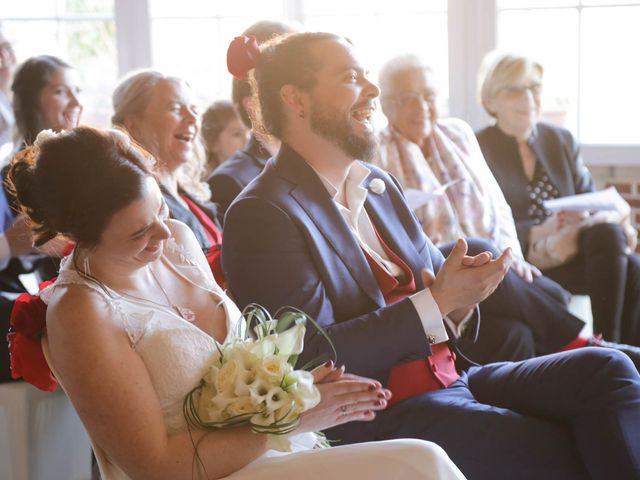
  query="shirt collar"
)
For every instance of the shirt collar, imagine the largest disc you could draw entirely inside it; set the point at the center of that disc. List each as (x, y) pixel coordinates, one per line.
(356, 175)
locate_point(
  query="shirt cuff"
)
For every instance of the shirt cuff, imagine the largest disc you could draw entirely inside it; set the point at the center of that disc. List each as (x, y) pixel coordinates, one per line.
(5, 251)
(459, 328)
(430, 316)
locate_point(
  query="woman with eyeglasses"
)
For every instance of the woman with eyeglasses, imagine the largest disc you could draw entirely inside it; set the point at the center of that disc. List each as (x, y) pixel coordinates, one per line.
(440, 160)
(533, 162)
(439, 163)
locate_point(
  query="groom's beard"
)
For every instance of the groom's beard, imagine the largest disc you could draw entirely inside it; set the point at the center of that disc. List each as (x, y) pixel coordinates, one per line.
(336, 128)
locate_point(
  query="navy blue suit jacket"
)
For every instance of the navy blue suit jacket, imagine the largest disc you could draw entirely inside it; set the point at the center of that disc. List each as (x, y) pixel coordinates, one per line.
(555, 149)
(286, 244)
(228, 180)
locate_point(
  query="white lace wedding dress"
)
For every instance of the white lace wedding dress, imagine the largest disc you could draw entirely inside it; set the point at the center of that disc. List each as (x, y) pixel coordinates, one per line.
(176, 353)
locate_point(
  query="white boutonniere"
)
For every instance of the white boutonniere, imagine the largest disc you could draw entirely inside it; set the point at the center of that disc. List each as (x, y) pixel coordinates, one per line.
(43, 136)
(377, 186)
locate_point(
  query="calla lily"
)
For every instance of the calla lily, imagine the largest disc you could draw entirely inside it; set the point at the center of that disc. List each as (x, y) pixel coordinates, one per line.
(276, 398)
(305, 393)
(259, 389)
(243, 381)
(290, 342)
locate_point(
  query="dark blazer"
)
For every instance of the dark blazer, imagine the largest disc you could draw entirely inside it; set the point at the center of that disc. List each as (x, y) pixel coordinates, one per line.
(555, 149)
(179, 212)
(228, 180)
(286, 244)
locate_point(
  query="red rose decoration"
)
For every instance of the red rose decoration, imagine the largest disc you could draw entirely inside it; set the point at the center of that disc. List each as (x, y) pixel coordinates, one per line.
(28, 320)
(66, 251)
(242, 55)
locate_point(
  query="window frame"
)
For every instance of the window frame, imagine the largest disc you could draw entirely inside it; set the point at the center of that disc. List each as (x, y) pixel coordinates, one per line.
(594, 154)
(472, 30)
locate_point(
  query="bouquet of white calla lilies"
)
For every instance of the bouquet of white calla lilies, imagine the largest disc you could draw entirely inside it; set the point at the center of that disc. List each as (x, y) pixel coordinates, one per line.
(253, 381)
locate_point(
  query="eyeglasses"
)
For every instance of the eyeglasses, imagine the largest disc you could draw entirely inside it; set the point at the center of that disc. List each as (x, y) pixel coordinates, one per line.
(517, 90)
(414, 98)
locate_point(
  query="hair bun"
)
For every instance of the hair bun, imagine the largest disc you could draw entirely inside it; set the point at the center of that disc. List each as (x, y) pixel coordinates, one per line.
(242, 56)
(20, 180)
(22, 185)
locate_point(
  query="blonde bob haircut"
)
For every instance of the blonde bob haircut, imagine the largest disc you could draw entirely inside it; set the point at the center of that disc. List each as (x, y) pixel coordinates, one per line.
(500, 70)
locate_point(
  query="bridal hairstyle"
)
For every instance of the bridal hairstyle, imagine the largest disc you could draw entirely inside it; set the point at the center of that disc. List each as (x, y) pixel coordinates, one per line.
(29, 80)
(72, 183)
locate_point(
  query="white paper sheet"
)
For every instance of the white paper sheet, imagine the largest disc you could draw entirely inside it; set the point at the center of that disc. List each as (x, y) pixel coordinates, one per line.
(608, 199)
(418, 198)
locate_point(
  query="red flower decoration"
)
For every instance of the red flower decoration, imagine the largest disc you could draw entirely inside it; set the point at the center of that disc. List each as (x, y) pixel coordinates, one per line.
(28, 320)
(68, 248)
(242, 55)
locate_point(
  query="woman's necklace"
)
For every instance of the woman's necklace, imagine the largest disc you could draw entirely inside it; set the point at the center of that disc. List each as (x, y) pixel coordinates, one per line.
(184, 312)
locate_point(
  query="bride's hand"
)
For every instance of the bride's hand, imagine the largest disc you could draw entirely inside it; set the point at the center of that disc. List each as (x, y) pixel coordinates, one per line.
(344, 398)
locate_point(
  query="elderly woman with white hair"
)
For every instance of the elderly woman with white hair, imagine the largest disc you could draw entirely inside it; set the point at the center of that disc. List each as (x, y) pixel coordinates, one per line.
(533, 162)
(440, 160)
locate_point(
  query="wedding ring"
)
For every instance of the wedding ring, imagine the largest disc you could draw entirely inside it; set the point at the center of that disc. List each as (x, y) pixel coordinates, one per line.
(343, 409)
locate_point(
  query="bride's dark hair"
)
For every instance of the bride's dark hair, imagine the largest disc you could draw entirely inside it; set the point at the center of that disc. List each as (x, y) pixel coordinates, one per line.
(74, 182)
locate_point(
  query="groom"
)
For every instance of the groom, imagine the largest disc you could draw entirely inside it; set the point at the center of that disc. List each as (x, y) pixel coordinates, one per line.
(324, 232)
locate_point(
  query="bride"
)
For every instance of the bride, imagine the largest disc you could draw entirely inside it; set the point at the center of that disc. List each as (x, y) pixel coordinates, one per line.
(127, 330)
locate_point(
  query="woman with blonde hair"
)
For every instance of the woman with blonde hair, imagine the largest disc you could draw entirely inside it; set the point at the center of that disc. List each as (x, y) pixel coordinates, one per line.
(159, 113)
(535, 161)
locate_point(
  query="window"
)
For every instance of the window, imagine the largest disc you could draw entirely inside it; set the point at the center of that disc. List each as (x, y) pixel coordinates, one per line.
(81, 32)
(387, 28)
(190, 39)
(380, 30)
(588, 86)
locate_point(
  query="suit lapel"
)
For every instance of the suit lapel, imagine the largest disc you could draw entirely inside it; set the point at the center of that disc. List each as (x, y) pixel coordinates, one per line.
(312, 196)
(389, 227)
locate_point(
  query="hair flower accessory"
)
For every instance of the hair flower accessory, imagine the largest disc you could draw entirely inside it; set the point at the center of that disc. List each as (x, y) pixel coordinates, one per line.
(28, 319)
(242, 55)
(43, 136)
(377, 186)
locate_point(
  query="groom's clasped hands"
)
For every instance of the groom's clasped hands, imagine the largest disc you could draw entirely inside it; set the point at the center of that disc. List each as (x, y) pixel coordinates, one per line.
(464, 281)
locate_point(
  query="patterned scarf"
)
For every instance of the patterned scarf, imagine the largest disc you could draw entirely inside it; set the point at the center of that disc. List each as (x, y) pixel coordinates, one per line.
(465, 208)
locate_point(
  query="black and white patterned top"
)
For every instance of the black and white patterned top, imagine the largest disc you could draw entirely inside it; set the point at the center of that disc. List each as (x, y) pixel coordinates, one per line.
(539, 189)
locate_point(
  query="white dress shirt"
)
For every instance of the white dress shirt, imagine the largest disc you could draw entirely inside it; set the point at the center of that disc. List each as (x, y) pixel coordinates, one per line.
(362, 229)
